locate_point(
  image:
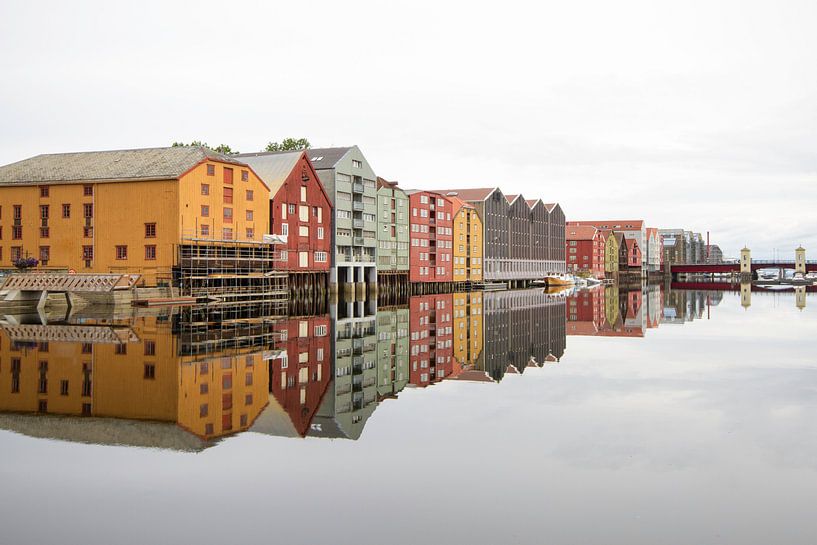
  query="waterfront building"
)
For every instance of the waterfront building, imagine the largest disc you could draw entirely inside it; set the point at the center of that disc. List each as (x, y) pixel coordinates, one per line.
(522, 240)
(715, 255)
(432, 235)
(674, 245)
(623, 255)
(610, 254)
(634, 256)
(585, 250)
(654, 250)
(431, 334)
(352, 187)
(467, 249)
(632, 229)
(127, 211)
(300, 210)
(392, 230)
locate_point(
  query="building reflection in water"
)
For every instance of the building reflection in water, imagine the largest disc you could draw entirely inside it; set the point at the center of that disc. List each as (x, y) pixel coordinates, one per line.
(183, 379)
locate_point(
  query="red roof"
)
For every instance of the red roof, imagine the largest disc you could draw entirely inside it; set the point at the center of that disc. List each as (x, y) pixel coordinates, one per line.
(457, 204)
(630, 242)
(581, 232)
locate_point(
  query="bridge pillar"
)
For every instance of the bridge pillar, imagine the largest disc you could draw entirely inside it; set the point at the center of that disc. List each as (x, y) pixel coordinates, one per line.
(800, 260)
(745, 261)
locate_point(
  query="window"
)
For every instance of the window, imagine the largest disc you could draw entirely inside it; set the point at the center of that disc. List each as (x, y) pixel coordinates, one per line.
(87, 232)
(211, 170)
(357, 164)
(250, 233)
(320, 257)
(284, 210)
(88, 210)
(205, 211)
(45, 254)
(303, 259)
(320, 331)
(150, 252)
(228, 215)
(121, 252)
(245, 175)
(285, 229)
(228, 195)
(227, 233)
(205, 230)
(17, 232)
(120, 349)
(249, 195)
(88, 190)
(44, 232)
(303, 231)
(303, 193)
(320, 233)
(150, 348)
(291, 208)
(87, 253)
(205, 188)
(43, 191)
(66, 210)
(203, 410)
(249, 215)
(150, 230)
(228, 176)
(303, 213)
(150, 371)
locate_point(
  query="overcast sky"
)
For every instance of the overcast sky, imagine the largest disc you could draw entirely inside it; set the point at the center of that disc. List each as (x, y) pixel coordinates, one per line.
(699, 115)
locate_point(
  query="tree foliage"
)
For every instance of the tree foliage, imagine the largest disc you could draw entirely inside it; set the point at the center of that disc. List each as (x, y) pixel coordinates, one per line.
(289, 144)
(221, 148)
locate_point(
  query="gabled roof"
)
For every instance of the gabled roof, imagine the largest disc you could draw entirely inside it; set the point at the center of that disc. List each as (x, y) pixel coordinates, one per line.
(550, 206)
(472, 194)
(324, 158)
(581, 232)
(457, 204)
(273, 168)
(110, 166)
(534, 202)
(631, 244)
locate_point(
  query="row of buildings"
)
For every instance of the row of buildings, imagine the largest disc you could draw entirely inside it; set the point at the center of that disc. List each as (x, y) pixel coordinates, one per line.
(609, 248)
(324, 212)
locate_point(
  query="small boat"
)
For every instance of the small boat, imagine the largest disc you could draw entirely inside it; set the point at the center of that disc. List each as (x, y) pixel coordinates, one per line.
(559, 279)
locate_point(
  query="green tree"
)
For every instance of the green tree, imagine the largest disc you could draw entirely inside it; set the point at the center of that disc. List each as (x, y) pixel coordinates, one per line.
(221, 148)
(289, 144)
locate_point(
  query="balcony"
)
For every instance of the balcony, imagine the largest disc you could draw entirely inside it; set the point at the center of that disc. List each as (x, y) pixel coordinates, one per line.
(357, 206)
(357, 224)
(357, 241)
(357, 187)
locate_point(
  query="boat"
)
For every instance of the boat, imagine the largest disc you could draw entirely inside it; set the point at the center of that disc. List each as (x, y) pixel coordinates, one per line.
(559, 279)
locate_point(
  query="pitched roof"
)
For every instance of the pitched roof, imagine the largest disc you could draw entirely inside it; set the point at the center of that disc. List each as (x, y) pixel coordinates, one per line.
(550, 206)
(470, 194)
(116, 165)
(534, 202)
(580, 232)
(273, 168)
(458, 203)
(611, 224)
(631, 243)
(324, 158)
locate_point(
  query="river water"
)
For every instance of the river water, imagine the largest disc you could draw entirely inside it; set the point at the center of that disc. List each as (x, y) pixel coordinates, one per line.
(654, 416)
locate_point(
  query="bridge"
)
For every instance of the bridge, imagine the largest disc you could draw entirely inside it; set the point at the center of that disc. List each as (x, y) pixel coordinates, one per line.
(725, 268)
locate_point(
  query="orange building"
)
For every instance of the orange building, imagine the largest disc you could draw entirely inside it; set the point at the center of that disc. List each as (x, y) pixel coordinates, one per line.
(468, 234)
(127, 210)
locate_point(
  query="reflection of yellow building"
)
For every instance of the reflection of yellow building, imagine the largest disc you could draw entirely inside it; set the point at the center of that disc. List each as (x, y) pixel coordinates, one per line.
(467, 249)
(217, 395)
(611, 308)
(467, 327)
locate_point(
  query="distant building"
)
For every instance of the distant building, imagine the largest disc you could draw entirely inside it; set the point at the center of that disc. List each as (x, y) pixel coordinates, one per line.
(352, 187)
(633, 254)
(585, 250)
(715, 254)
(654, 250)
(610, 254)
(631, 229)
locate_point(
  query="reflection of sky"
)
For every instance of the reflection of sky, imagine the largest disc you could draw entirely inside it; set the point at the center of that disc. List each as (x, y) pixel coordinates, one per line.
(700, 433)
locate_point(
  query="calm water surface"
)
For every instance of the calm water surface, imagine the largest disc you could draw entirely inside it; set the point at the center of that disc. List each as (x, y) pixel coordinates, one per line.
(654, 417)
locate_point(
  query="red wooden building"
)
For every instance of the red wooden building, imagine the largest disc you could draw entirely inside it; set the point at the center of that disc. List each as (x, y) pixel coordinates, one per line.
(633, 254)
(431, 230)
(299, 209)
(431, 338)
(584, 249)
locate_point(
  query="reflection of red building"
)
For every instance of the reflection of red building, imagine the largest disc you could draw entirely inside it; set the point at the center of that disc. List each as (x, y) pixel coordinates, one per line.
(431, 338)
(585, 249)
(432, 235)
(299, 379)
(585, 312)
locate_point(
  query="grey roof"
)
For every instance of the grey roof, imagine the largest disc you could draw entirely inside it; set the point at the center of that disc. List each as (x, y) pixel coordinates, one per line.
(116, 165)
(324, 158)
(272, 167)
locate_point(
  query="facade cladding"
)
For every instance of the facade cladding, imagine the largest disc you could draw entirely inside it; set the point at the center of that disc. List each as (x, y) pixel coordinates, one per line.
(523, 240)
(351, 184)
(432, 234)
(392, 228)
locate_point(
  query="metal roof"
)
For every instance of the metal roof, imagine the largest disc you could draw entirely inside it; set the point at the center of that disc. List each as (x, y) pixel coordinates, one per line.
(115, 165)
(324, 158)
(273, 168)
